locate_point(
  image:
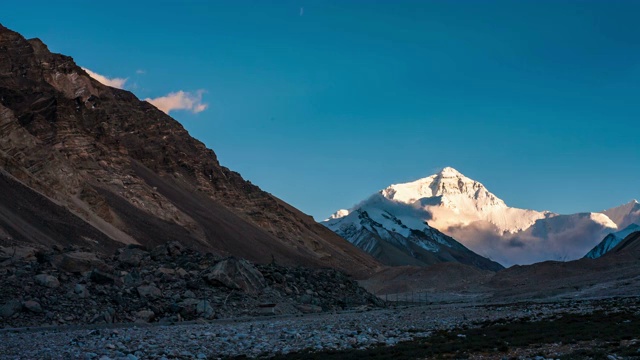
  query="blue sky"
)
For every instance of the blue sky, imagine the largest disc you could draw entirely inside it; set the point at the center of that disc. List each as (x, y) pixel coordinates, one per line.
(324, 102)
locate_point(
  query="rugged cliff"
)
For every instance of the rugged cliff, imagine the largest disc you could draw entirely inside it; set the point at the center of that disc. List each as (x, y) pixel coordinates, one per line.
(112, 169)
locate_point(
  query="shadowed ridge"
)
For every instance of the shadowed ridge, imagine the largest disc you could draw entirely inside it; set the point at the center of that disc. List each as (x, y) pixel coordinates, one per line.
(631, 243)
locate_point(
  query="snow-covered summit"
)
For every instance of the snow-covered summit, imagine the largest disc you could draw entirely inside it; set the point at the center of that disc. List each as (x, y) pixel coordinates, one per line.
(453, 199)
(448, 183)
(465, 209)
(391, 228)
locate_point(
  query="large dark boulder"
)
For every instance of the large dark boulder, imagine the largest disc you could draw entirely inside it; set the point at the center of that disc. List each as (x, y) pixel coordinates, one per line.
(78, 262)
(237, 274)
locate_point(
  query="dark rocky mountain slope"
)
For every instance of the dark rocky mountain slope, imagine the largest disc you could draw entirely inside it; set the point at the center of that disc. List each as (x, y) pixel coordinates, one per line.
(86, 164)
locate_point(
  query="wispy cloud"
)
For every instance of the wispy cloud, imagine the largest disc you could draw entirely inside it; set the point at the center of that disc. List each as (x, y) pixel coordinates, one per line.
(113, 82)
(180, 100)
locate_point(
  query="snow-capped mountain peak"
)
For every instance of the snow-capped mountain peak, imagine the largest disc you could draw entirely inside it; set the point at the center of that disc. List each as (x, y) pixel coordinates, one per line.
(397, 233)
(448, 184)
(624, 215)
(465, 209)
(451, 187)
(452, 199)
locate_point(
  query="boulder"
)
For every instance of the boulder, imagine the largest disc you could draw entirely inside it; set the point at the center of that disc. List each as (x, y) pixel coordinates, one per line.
(159, 252)
(15, 253)
(132, 278)
(106, 316)
(189, 302)
(165, 272)
(46, 280)
(149, 291)
(204, 309)
(109, 315)
(78, 262)
(10, 308)
(32, 306)
(81, 291)
(266, 309)
(145, 315)
(238, 275)
(308, 309)
(131, 256)
(182, 272)
(174, 248)
(101, 277)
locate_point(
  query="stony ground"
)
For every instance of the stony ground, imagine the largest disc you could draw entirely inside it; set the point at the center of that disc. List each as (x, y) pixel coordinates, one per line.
(167, 284)
(329, 335)
(174, 303)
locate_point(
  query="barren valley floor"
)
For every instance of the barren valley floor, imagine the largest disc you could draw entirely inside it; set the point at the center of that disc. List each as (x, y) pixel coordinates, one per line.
(605, 328)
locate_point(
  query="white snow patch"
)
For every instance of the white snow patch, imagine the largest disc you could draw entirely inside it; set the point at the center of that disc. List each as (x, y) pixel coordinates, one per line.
(338, 214)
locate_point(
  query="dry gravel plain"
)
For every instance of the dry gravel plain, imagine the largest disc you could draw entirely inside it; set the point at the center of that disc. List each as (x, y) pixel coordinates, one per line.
(400, 332)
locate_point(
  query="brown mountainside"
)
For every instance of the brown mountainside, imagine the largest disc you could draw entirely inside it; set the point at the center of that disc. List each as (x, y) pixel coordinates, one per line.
(107, 168)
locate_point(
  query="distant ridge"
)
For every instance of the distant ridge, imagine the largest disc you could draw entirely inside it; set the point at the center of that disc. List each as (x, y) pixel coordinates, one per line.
(611, 241)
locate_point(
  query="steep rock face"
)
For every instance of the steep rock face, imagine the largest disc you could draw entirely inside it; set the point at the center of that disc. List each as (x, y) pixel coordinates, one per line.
(467, 211)
(134, 174)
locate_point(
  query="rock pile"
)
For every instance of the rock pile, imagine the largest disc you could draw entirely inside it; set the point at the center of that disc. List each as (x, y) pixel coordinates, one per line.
(167, 284)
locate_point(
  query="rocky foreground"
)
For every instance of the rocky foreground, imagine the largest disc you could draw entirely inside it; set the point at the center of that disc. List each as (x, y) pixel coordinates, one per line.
(338, 335)
(171, 302)
(167, 284)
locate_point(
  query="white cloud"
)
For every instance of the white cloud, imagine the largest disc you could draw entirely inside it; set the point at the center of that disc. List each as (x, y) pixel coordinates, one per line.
(180, 100)
(113, 82)
(141, 72)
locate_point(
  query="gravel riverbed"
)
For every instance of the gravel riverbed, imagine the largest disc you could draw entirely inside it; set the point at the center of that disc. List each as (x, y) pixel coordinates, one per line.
(263, 336)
